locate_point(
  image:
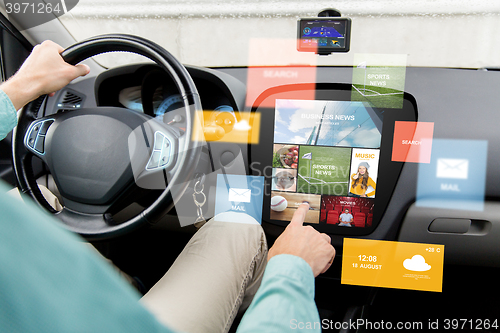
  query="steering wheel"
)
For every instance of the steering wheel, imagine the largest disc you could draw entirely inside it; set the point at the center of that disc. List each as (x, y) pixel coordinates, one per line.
(99, 155)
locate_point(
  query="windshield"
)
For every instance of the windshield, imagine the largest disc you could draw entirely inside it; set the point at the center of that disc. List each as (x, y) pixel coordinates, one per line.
(460, 33)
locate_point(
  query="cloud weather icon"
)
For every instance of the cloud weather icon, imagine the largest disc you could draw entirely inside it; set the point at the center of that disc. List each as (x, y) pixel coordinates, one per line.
(240, 194)
(416, 263)
(452, 168)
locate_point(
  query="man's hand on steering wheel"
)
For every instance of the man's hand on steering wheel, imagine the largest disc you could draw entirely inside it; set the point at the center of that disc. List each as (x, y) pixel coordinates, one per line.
(43, 72)
(101, 157)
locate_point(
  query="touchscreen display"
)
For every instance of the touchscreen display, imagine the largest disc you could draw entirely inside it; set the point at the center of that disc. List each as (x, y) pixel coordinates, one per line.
(326, 153)
(319, 34)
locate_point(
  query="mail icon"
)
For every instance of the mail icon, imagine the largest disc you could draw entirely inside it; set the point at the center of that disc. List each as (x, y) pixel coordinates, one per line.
(240, 194)
(452, 168)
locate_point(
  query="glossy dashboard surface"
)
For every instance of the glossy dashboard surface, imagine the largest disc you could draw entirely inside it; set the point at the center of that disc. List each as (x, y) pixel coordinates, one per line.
(460, 104)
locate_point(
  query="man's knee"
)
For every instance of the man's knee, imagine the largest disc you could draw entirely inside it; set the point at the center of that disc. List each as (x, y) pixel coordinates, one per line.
(241, 231)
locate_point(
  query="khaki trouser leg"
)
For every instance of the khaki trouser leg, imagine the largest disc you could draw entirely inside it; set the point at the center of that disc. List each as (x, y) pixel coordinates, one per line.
(218, 271)
(49, 196)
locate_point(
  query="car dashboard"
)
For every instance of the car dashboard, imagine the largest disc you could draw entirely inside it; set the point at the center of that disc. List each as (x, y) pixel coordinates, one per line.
(458, 103)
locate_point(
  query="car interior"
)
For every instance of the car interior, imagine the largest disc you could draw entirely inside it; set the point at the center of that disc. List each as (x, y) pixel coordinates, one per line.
(391, 129)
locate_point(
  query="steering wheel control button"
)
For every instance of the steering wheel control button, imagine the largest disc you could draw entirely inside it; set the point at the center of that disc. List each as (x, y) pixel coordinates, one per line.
(36, 136)
(154, 160)
(45, 127)
(161, 152)
(31, 142)
(32, 138)
(158, 141)
(163, 161)
(40, 144)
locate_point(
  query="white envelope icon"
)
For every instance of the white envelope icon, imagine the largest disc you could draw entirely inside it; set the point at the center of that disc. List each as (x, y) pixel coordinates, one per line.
(240, 194)
(452, 168)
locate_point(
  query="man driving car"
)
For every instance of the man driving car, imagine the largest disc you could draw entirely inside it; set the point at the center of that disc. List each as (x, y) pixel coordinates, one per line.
(51, 282)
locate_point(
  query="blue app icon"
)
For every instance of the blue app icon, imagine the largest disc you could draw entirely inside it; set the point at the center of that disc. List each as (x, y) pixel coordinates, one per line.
(240, 194)
(455, 178)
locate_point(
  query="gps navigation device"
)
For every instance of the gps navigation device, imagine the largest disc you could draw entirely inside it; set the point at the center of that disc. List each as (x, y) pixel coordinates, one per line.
(324, 35)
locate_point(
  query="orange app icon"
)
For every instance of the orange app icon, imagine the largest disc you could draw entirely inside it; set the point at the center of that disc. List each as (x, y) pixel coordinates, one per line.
(389, 264)
(412, 141)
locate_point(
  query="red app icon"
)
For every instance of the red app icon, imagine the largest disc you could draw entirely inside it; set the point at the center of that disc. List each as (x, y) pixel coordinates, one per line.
(291, 67)
(263, 78)
(412, 141)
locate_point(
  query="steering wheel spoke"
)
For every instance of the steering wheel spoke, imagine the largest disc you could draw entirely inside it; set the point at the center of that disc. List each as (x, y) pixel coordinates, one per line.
(88, 225)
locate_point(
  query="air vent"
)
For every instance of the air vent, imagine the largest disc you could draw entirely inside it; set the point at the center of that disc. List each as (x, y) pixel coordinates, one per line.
(70, 100)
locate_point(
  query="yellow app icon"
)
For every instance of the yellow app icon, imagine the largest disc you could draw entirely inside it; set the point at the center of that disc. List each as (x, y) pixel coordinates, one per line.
(227, 126)
(388, 264)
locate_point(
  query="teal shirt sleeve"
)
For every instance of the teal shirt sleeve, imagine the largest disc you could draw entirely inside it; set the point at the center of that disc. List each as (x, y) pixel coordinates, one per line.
(285, 299)
(51, 282)
(8, 115)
